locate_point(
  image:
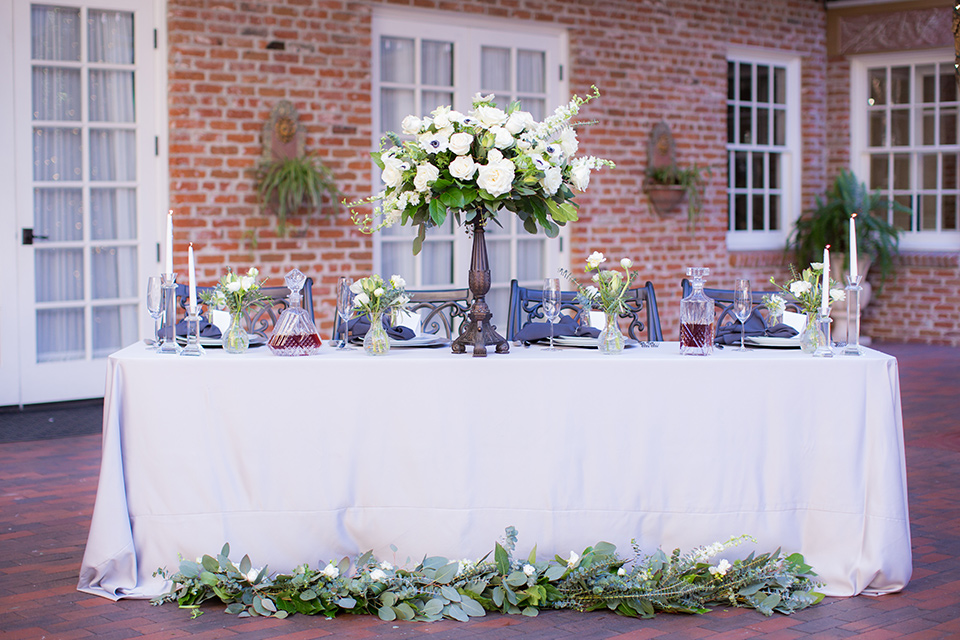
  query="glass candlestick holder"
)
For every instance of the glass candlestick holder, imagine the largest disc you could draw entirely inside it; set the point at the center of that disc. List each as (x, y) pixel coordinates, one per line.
(168, 330)
(193, 347)
(852, 348)
(824, 344)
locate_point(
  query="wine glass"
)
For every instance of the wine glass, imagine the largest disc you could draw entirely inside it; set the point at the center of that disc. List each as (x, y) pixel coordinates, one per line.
(344, 307)
(551, 305)
(154, 298)
(742, 306)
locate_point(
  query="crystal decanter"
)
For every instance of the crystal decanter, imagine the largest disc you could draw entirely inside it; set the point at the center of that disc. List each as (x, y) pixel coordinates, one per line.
(697, 325)
(295, 334)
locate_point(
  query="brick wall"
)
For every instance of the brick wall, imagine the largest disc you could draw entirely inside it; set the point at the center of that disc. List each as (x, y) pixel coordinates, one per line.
(652, 61)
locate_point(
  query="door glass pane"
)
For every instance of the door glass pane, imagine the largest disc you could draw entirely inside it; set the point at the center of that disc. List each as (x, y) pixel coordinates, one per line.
(397, 60)
(498, 254)
(900, 85)
(878, 172)
(113, 155)
(114, 327)
(758, 172)
(948, 126)
(110, 36)
(437, 63)
(530, 259)
(58, 214)
(56, 93)
(536, 106)
(56, 154)
(56, 33)
(434, 99)
(495, 69)
(111, 96)
(113, 272)
(928, 172)
(928, 213)
(904, 220)
(113, 214)
(437, 263)
(877, 89)
(530, 71)
(901, 171)
(397, 258)
(877, 128)
(59, 274)
(60, 335)
(395, 105)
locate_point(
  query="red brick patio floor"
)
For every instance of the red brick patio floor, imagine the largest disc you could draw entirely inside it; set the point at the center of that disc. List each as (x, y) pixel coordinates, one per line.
(48, 489)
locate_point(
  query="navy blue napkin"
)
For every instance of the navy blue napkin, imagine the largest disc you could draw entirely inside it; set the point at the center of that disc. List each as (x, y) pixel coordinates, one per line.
(358, 327)
(755, 326)
(207, 328)
(566, 326)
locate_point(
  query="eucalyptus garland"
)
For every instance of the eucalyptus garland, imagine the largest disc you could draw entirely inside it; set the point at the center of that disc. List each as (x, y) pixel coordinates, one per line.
(439, 588)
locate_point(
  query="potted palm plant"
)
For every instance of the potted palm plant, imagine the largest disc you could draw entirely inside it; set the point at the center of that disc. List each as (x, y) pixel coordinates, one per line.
(285, 185)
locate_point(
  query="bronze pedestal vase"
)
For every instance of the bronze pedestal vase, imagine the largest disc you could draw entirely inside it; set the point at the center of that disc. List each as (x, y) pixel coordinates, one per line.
(478, 332)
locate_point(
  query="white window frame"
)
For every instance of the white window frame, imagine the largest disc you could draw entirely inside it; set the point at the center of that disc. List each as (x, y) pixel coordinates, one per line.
(469, 34)
(860, 151)
(791, 154)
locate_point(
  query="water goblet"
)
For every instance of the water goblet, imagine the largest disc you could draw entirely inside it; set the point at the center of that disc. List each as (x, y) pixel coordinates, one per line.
(154, 298)
(742, 306)
(551, 305)
(344, 307)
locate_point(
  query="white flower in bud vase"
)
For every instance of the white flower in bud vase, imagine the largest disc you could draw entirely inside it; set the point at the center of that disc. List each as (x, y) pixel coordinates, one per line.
(233, 286)
(378, 292)
(246, 282)
(800, 287)
(361, 300)
(398, 282)
(411, 125)
(626, 263)
(460, 143)
(529, 570)
(595, 260)
(816, 266)
(331, 571)
(356, 287)
(837, 295)
(573, 559)
(377, 575)
(592, 292)
(596, 277)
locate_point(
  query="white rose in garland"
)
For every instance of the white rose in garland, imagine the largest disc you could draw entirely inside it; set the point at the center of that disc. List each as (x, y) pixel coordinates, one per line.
(479, 165)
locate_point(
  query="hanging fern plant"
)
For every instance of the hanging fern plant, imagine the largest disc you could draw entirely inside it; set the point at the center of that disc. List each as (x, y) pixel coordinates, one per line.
(287, 185)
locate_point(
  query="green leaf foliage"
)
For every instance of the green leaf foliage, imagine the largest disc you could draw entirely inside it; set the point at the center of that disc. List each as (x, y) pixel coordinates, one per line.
(287, 185)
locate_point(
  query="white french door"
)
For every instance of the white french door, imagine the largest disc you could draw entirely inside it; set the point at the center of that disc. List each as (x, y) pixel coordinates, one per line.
(80, 81)
(425, 60)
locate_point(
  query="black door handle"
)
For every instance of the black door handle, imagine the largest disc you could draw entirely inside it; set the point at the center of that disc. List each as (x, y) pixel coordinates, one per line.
(28, 236)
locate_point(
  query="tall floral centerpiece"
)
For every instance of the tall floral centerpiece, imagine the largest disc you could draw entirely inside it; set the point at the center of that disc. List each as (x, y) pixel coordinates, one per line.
(475, 166)
(374, 297)
(808, 288)
(236, 294)
(608, 293)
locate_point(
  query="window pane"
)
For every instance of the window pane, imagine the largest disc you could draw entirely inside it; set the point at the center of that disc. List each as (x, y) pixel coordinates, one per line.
(110, 36)
(877, 79)
(59, 274)
(397, 60)
(56, 33)
(900, 85)
(740, 170)
(731, 80)
(780, 85)
(948, 84)
(878, 172)
(58, 214)
(758, 173)
(395, 105)
(113, 327)
(928, 213)
(433, 99)
(774, 159)
(495, 69)
(56, 93)
(730, 124)
(397, 258)
(531, 71)
(928, 172)
(774, 212)
(779, 127)
(763, 83)
(877, 128)
(948, 126)
(436, 63)
(740, 212)
(758, 200)
(746, 123)
(113, 155)
(903, 220)
(901, 172)
(928, 84)
(436, 263)
(950, 213)
(498, 253)
(899, 127)
(111, 96)
(927, 133)
(56, 154)
(949, 179)
(113, 272)
(60, 335)
(536, 106)
(113, 214)
(763, 126)
(746, 78)
(530, 259)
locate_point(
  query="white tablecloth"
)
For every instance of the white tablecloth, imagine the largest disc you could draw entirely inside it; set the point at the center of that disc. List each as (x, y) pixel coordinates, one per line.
(308, 459)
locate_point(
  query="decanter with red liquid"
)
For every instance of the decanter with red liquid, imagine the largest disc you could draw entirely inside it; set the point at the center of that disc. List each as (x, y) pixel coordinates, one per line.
(295, 334)
(697, 317)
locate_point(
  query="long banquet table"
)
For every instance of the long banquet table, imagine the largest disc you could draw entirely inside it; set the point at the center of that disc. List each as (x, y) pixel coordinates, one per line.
(295, 460)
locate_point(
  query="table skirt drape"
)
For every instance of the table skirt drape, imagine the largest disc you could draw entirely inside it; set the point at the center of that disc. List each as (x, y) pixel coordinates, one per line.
(295, 460)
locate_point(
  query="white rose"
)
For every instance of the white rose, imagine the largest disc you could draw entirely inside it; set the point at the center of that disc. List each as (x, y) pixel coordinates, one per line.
(463, 168)
(426, 173)
(246, 282)
(552, 177)
(595, 260)
(489, 117)
(568, 141)
(331, 571)
(411, 125)
(529, 570)
(502, 139)
(518, 121)
(580, 175)
(800, 287)
(356, 287)
(626, 263)
(433, 142)
(496, 177)
(441, 117)
(392, 174)
(460, 143)
(816, 266)
(361, 300)
(233, 286)
(377, 575)
(253, 272)
(378, 292)
(398, 282)
(836, 295)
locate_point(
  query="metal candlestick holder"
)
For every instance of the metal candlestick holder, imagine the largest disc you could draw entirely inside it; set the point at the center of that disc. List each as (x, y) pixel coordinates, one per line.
(168, 330)
(193, 347)
(852, 347)
(824, 345)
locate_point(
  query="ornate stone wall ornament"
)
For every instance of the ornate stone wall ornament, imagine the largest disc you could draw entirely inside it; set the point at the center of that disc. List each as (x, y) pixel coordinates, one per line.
(283, 135)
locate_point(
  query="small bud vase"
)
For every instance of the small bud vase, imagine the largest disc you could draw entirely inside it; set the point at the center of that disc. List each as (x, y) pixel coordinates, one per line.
(810, 337)
(235, 340)
(610, 341)
(376, 342)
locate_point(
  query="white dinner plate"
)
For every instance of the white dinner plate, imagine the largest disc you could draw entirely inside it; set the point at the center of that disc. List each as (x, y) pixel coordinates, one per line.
(584, 341)
(416, 341)
(216, 343)
(773, 342)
